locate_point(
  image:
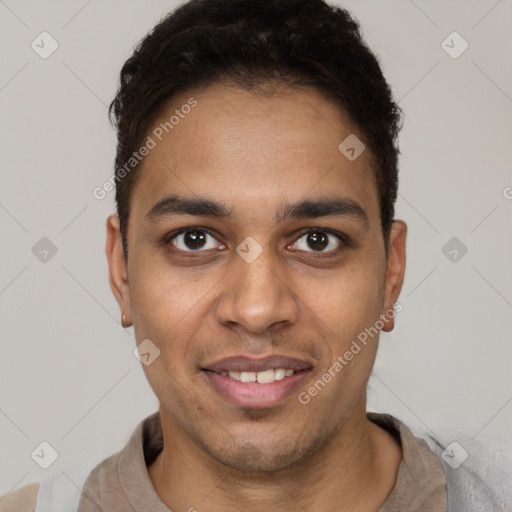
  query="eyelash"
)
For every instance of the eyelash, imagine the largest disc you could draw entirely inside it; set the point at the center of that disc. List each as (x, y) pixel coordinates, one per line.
(344, 239)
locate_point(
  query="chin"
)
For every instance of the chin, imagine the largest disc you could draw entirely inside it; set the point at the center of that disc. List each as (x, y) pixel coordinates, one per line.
(254, 457)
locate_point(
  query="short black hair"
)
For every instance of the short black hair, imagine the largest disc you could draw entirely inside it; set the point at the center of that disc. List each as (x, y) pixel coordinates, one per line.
(253, 43)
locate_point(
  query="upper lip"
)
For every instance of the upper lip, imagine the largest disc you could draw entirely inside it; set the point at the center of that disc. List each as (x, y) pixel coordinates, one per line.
(248, 364)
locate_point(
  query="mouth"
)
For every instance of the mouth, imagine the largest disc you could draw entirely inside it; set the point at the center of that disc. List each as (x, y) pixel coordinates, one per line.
(256, 383)
(263, 377)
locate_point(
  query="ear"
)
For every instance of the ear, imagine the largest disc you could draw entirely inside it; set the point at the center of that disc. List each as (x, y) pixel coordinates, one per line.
(395, 271)
(117, 267)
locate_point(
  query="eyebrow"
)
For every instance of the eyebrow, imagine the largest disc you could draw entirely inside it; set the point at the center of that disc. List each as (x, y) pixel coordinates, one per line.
(328, 207)
(199, 206)
(176, 205)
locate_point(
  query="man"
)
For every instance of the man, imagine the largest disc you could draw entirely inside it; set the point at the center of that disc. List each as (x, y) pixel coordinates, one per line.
(256, 254)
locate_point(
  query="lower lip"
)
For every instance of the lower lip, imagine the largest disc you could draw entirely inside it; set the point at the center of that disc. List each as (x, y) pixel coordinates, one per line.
(253, 395)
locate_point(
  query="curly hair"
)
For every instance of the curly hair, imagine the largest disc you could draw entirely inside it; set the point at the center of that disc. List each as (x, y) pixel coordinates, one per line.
(253, 43)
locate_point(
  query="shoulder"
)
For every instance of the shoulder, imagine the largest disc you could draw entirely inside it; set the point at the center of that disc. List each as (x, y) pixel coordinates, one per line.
(60, 492)
(478, 477)
(20, 500)
(102, 477)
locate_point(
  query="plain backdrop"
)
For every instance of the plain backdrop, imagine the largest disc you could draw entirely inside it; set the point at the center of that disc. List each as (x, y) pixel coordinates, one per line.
(68, 375)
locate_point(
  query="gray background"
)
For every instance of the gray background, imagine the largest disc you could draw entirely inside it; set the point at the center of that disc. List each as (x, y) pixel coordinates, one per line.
(67, 372)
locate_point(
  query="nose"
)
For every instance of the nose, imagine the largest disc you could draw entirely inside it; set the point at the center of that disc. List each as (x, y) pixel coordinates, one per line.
(257, 296)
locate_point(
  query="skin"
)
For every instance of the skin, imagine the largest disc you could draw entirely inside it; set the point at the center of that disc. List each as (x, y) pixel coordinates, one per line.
(253, 152)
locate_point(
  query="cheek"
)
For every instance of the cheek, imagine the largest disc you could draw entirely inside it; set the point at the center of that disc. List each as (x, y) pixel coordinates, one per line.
(167, 310)
(345, 308)
(166, 306)
(347, 301)
(162, 294)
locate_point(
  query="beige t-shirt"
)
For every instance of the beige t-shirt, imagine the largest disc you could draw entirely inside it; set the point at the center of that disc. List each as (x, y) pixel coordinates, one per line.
(121, 482)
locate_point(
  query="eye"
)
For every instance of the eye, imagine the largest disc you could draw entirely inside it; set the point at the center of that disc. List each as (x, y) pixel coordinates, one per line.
(318, 241)
(194, 240)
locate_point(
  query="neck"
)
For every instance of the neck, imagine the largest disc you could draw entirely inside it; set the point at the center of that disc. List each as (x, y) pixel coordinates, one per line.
(355, 470)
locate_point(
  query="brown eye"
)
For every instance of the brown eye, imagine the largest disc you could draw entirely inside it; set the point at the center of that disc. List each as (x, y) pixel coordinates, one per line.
(318, 241)
(194, 240)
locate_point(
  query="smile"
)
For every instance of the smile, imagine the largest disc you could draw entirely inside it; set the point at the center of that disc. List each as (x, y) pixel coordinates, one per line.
(263, 377)
(256, 383)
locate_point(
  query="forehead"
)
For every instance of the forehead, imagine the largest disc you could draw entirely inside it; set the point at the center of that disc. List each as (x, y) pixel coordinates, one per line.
(254, 151)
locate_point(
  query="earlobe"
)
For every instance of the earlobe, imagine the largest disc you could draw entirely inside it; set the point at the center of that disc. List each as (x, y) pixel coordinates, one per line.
(395, 272)
(117, 268)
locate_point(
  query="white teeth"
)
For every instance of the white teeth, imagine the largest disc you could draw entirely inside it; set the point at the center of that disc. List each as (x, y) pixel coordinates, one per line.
(263, 377)
(247, 376)
(279, 374)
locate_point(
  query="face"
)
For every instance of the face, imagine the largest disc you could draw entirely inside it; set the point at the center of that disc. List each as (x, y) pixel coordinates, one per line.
(255, 253)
